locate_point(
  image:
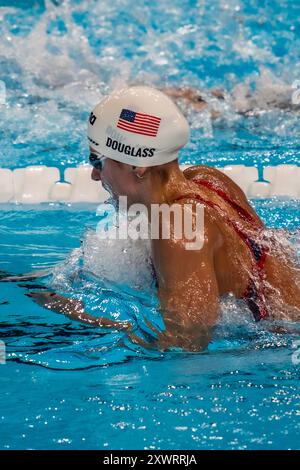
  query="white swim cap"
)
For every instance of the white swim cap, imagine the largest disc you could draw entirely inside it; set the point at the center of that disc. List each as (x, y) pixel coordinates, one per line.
(140, 126)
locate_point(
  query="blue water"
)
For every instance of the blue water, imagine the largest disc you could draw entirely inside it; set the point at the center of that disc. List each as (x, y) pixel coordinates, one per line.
(67, 385)
(58, 60)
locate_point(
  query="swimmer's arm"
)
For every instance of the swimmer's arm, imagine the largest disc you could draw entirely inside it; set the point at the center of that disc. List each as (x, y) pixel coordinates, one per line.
(191, 95)
(176, 92)
(192, 288)
(188, 289)
(7, 277)
(74, 309)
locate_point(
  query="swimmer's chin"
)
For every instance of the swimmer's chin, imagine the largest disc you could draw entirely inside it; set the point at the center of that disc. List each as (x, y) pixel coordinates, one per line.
(112, 200)
(106, 187)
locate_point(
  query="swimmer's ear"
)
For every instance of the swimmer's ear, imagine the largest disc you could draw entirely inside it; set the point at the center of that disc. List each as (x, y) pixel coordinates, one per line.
(139, 172)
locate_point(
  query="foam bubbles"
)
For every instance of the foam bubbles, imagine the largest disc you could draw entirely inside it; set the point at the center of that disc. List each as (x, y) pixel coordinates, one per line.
(120, 261)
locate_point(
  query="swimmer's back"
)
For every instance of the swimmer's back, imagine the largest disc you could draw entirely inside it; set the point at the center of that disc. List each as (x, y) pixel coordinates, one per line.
(282, 275)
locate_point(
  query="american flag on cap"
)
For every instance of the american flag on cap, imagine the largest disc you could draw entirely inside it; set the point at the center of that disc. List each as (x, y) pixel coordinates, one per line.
(138, 123)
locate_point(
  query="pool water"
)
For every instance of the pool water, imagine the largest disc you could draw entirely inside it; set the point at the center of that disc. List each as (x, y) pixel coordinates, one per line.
(66, 385)
(58, 58)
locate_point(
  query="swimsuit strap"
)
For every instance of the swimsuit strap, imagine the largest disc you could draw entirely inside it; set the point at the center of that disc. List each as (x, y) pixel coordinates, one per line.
(243, 213)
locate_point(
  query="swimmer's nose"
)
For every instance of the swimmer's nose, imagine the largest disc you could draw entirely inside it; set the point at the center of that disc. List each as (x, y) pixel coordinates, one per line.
(96, 175)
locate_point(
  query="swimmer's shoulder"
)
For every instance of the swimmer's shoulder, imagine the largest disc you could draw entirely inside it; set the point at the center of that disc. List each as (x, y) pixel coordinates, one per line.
(221, 181)
(211, 174)
(216, 177)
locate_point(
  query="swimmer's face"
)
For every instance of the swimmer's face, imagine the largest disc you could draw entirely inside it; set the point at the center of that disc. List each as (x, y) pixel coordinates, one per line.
(117, 178)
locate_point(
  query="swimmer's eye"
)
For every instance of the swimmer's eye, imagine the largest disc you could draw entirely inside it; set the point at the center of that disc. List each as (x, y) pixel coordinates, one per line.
(97, 161)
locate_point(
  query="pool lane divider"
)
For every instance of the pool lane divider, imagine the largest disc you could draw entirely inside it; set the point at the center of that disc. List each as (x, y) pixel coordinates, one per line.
(37, 184)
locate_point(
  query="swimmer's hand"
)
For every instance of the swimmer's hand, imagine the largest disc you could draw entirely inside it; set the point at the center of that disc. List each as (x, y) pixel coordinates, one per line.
(6, 277)
(74, 309)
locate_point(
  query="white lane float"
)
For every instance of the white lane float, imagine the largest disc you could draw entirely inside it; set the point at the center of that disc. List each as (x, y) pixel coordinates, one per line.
(36, 184)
